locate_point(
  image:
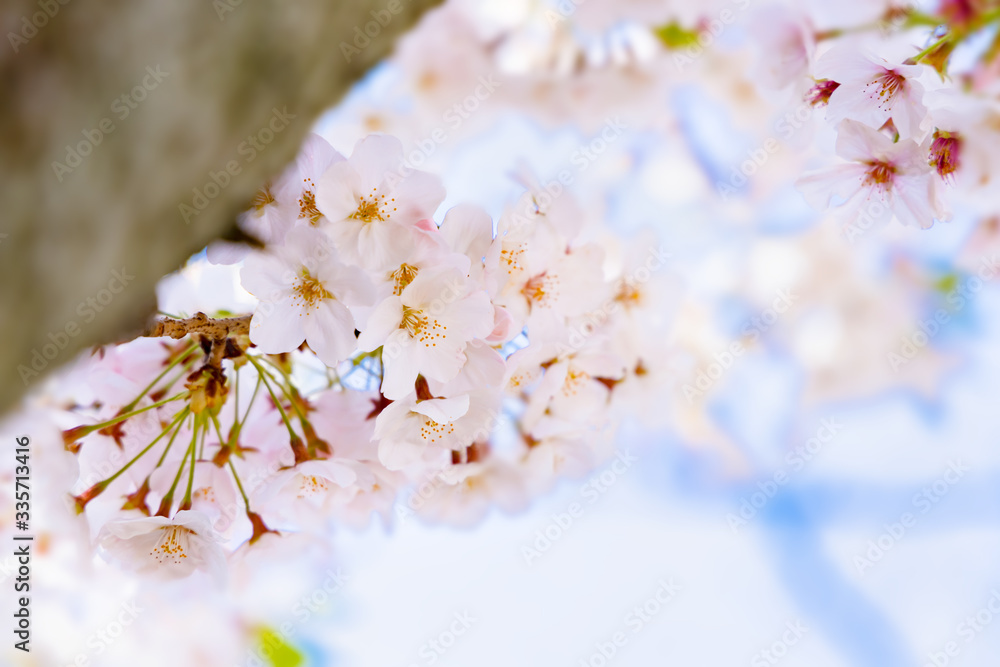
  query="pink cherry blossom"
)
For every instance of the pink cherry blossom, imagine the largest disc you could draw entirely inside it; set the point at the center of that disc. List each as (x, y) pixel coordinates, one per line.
(417, 433)
(305, 294)
(371, 199)
(878, 180)
(166, 548)
(425, 329)
(872, 90)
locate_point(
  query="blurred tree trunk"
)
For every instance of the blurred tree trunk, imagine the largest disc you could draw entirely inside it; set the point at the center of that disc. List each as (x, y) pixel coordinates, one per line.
(115, 113)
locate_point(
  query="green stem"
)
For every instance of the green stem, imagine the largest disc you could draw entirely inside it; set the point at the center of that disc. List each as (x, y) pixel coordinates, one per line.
(239, 485)
(218, 429)
(239, 423)
(168, 499)
(199, 425)
(122, 417)
(187, 494)
(181, 357)
(284, 386)
(939, 43)
(185, 370)
(186, 411)
(284, 417)
(138, 456)
(236, 397)
(204, 434)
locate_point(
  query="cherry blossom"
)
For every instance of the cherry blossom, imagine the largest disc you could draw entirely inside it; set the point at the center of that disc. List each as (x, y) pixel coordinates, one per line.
(575, 389)
(296, 190)
(872, 90)
(880, 179)
(370, 202)
(279, 206)
(787, 45)
(968, 164)
(363, 349)
(306, 294)
(469, 230)
(413, 432)
(424, 330)
(168, 548)
(303, 495)
(466, 492)
(372, 343)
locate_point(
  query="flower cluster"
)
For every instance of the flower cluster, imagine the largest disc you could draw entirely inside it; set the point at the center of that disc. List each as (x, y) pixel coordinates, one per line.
(877, 110)
(367, 354)
(386, 352)
(397, 362)
(903, 115)
(905, 89)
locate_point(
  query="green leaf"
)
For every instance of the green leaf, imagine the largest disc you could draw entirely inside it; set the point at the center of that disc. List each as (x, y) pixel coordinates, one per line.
(947, 283)
(674, 36)
(276, 651)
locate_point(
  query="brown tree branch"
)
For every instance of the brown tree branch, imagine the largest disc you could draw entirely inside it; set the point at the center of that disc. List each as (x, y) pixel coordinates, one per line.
(211, 328)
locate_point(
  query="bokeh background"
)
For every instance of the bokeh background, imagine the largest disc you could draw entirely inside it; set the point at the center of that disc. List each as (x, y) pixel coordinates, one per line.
(830, 496)
(825, 553)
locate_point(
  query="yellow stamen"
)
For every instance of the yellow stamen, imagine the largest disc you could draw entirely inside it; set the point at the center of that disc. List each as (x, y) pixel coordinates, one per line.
(402, 277)
(307, 203)
(170, 547)
(373, 207)
(421, 327)
(309, 292)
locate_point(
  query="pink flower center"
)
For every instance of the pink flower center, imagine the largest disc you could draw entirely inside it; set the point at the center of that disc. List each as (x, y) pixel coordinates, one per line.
(958, 11)
(884, 88)
(819, 95)
(880, 175)
(542, 289)
(945, 153)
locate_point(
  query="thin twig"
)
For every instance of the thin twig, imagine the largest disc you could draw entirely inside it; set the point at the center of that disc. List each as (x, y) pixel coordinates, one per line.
(214, 329)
